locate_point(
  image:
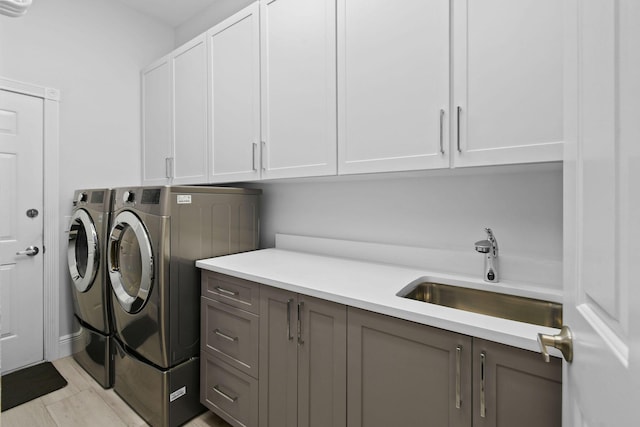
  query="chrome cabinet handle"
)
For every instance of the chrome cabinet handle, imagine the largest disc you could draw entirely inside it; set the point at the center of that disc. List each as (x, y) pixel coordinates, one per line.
(458, 111)
(458, 377)
(562, 341)
(253, 157)
(483, 406)
(300, 306)
(441, 131)
(30, 251)
(263, 164)
(231, 399)
(168, 166)
(226, 292)
(289, 302)
(225, 336)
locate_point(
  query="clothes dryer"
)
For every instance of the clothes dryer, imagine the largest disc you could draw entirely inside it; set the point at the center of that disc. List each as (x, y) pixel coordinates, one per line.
(156, 236)
(86, 258)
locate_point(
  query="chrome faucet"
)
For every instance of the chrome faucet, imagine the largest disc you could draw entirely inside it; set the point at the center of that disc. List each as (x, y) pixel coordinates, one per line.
(489, 247)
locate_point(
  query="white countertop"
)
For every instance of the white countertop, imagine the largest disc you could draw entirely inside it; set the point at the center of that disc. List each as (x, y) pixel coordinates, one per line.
(372, 286)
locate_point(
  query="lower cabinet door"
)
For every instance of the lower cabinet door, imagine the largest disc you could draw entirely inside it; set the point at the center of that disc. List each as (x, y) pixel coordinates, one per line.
(402, 373)
(303, 351)
(322, 363)
(515, 387)
(278, 358)
(231, 394)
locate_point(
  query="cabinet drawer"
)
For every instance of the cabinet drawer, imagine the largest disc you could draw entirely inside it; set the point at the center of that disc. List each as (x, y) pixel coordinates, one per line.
(230, 334)
(236, 292)
(229, 393)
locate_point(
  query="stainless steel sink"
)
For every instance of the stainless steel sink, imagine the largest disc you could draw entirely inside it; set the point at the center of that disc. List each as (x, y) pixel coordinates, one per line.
(522, 309)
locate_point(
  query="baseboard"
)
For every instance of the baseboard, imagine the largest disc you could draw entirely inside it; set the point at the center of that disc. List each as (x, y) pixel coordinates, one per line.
(65, 344)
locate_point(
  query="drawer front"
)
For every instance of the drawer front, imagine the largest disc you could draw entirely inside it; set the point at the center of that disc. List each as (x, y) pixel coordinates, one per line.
(229, 393)
(236, 292)
(230, 334)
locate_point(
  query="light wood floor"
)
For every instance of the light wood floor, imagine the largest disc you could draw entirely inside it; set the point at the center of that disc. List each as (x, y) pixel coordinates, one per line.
(83, 402)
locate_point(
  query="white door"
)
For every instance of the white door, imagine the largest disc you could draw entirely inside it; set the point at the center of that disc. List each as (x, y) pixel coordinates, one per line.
(234, 58)
(507, 81)
(393, 85)
(602, 212)
(157, 123)
(298, 48)
(21, 194)
(190, 142)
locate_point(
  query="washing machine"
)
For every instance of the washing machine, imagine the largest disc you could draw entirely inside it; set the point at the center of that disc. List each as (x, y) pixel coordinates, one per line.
(86, 258)
(157, 234)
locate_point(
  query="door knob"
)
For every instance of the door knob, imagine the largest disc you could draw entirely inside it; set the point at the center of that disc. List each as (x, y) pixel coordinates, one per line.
(30, 251)
(562, 341)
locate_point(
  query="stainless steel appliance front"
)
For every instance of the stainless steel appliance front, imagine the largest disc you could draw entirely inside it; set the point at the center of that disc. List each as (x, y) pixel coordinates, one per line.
(156, 236)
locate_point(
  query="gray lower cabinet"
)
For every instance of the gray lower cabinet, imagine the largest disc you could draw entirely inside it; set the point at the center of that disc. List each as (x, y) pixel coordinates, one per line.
(228, 392)
(229, 337)
(402, 373)
(407, 374)
(274, 358)
(513, 387)
(303, 350)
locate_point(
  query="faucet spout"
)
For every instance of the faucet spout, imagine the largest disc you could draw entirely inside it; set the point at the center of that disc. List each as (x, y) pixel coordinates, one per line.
(489, 248)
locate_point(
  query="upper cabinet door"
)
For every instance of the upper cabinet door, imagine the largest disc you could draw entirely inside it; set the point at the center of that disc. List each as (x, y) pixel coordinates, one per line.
(393, 85)
(298, 88)
(507, 100)
(234, 60)
(157, 123)
(190, 145)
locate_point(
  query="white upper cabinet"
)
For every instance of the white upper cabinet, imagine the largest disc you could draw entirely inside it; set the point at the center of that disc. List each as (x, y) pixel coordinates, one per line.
(190, 144)
(234, 61)
(298, 71)
(507, 88)
(297, 88)
(393, 85)
(174, 117)
(157, 123)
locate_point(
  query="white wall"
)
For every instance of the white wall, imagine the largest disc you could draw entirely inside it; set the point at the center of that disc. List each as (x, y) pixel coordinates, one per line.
(440, 210)
(92, 51)
(200, 23)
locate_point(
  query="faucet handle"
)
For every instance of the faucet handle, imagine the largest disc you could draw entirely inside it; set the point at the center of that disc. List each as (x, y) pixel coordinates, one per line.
(483, 246)
(493, 240)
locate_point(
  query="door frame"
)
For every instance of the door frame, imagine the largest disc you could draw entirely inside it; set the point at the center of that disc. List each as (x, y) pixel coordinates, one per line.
(51, 214)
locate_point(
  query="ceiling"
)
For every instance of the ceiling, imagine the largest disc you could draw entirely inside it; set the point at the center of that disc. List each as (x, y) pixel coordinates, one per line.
(171, 12)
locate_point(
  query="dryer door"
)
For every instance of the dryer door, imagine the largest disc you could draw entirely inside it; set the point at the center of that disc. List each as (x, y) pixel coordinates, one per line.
(83, 252)
(130, 261)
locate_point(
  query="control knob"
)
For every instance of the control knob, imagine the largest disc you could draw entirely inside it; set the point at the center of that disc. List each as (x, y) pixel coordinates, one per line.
(129, 197)
(83, 197)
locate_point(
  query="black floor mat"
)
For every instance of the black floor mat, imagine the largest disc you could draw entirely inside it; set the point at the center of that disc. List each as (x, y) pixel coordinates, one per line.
(30, 383)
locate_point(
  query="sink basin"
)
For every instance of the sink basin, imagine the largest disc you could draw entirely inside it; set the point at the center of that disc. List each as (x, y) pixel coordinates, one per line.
(522, 309)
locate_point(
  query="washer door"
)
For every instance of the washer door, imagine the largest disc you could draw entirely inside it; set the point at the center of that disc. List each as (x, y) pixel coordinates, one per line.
(83, 252)
(130, 261)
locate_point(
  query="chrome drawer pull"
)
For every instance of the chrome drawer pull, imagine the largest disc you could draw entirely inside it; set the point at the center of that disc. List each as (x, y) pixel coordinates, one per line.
(289, 336)
(225, 395)
(300, 308)
(253, 157)
(441, 131)
(458, 377)
(225, 336)
(459, 110)
(226, 292)
(483, 406)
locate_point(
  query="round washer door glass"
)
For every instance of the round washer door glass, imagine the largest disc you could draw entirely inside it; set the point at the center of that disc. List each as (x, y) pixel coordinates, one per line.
(130, 261)
(83, 253)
